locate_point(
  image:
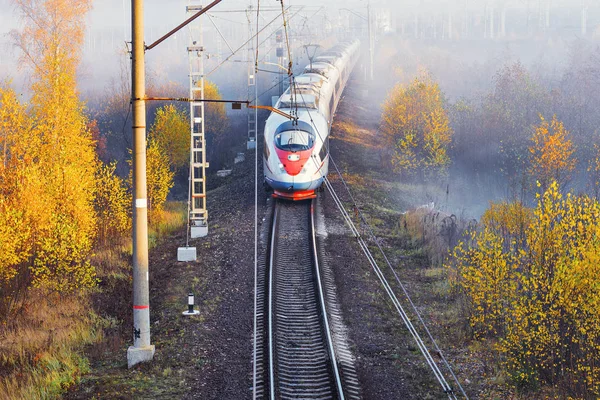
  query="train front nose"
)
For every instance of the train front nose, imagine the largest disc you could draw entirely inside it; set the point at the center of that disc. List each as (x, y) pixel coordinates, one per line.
(294, 144)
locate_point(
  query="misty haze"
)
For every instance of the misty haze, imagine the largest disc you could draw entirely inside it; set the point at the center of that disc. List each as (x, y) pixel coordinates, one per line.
(365, 199)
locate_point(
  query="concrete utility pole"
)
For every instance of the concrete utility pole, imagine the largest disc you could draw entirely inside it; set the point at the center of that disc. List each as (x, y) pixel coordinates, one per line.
(141, 350)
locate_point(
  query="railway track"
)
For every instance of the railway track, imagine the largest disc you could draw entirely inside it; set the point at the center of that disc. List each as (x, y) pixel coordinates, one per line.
(296, 349)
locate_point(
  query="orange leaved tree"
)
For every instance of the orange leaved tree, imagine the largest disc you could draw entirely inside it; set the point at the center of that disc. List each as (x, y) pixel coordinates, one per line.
(551, 153)
(48, 158)
(415, 126)
(171, 131)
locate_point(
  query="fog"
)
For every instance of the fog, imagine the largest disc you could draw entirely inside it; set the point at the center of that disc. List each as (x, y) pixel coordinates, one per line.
(504, 21)
(462, 44)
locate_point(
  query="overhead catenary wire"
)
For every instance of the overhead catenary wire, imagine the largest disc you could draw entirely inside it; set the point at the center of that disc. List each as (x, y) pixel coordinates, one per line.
(246, 42)
(269, 89)
(416, 336)
(255, 322)
(257, 35)
(287, 40)
(225, 19)
(274, 32)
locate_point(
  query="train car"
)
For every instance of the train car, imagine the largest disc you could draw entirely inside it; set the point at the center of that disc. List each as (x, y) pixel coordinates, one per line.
(296, 151)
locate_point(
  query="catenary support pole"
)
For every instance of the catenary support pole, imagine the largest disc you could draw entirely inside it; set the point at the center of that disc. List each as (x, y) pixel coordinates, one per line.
(141, 350)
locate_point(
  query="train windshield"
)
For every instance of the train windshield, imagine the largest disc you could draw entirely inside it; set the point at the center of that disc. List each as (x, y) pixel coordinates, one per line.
(294, 140)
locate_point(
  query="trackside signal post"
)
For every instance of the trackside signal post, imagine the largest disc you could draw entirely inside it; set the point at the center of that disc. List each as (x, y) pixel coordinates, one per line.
(141, 350)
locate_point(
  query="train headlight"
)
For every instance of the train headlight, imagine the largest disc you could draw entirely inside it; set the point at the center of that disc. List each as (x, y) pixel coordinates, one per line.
(280, 165)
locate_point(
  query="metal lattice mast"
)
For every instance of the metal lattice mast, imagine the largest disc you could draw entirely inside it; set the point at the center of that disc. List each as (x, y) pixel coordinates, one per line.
(252, 113)
(198, 214)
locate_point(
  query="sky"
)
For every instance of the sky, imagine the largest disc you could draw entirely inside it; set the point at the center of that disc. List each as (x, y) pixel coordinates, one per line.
(109, 27)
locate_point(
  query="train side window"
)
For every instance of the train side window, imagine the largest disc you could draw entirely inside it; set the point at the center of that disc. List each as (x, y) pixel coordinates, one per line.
(331, 104)
(323, 152)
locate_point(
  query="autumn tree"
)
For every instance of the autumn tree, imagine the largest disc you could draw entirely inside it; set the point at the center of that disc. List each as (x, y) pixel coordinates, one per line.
(22, 196)
(49, 173)
(113, 205)
(551, 152)
(171, 127)
(171, 131)
(531, 282)
(415, 126)
(216, 116)
(159, 178)
(508, 114)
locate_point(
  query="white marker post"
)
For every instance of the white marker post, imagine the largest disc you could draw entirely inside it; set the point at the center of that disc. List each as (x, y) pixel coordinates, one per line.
(190, 310)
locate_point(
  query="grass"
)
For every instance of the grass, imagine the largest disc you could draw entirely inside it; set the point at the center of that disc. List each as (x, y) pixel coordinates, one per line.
(165, 222)
(41, 352)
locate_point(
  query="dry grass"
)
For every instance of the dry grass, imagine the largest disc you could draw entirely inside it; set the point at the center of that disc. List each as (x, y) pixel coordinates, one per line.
(167, 221)
(349, 132)
(436, 231)
(39, 352)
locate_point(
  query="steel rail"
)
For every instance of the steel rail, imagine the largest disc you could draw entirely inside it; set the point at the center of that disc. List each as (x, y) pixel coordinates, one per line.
(270, 310)
(336, 372)
(336, 385)
(391, 294)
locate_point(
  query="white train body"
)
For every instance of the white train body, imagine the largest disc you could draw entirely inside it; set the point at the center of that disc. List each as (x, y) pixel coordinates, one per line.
(296, 152)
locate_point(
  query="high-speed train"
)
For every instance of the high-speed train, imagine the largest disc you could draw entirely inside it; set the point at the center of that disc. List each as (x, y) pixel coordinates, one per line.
(296, 151)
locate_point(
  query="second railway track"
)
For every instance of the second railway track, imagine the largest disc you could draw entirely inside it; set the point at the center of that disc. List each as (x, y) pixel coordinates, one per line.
(296, 354)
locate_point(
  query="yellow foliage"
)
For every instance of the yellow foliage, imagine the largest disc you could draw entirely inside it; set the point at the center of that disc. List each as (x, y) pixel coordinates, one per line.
(47, 177)
(112, 204)
(171, 130)
(159, 178)
(47, 218)
(509, 221)
(416, 126)
(539, 300)
(551, 153)
(215, 115)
